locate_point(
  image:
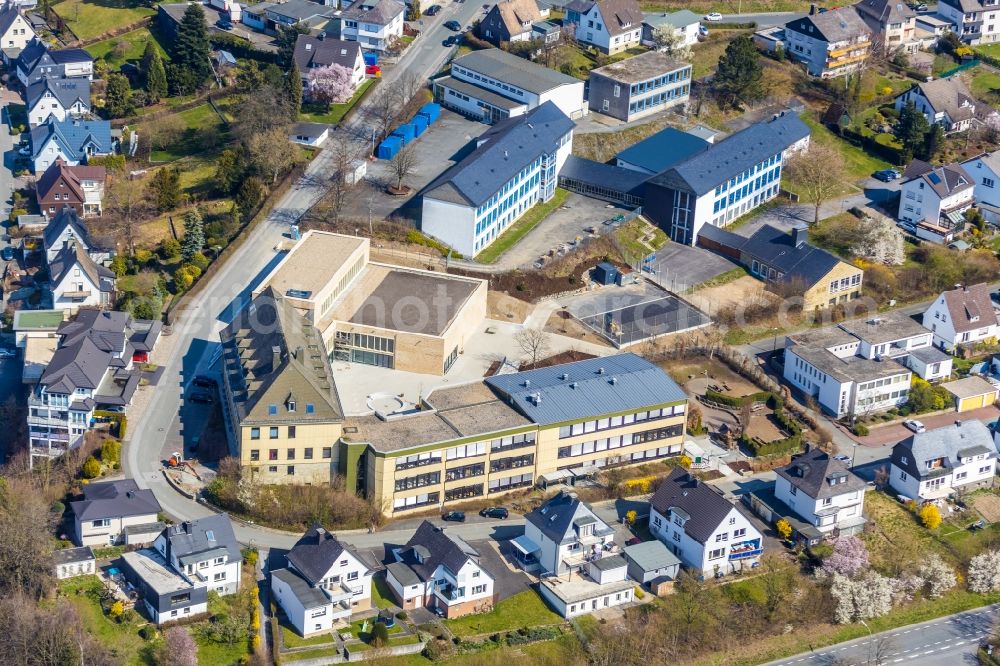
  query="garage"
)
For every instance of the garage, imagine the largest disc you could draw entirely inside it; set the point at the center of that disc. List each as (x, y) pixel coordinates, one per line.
(971, 393)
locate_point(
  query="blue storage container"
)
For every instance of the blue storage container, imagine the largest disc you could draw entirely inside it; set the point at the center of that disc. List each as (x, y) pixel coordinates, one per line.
(432, 110)
(371, 57)
(406, 132)
(389, 147)
(420, 124)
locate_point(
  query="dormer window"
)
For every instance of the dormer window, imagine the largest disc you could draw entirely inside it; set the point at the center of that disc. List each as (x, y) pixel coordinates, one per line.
(291, 405)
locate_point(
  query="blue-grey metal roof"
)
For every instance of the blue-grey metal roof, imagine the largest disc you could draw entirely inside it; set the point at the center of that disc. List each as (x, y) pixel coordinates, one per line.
(308, 596)
(702, 172)
(651, 555)
(948, 442)
(514, 70)
(663, 150)
(624, 180)
(504, 149)
(67, 91)
(585, 389)
(73, 136)
(556, 518)
(681, 19)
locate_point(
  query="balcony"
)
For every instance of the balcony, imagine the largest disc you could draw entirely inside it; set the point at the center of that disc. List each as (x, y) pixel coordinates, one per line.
(746, 550)
(77, 294)
(58, 420)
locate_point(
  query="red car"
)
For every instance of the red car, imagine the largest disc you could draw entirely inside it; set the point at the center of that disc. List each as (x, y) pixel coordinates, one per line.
(373, 70)
(633, 541)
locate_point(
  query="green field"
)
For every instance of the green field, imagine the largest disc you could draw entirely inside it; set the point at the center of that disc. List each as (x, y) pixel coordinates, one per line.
(92, 18)
(857, 162)
(198, 120)
(317, 114)
(134, 44)
(521, 610)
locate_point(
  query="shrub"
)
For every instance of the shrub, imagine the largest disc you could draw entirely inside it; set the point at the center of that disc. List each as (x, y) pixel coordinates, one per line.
(860, 429)
(685, 461)
(200, 260)
(117, 610)
(930, 516)
(984, 572)
(639, 594)
(379, 635)
(148, 632)
(630, 517)
(91, 468)
(401, 615)
(170, 248)
(111, 452)
(784, 529)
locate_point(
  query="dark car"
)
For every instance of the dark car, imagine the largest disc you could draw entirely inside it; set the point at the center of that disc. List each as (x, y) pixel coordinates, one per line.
(7, 254)
(634, 541)
(201, 397)
(453, 25)
(205, 382)
(886, 175)
(495, 512)
(432, 10)
(454, 516)
(224, 24)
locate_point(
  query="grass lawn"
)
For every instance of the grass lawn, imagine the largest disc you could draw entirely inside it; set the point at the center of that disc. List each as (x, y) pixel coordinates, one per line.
(942, 63)
(317, 114)
(290, 639)
(311, 654)
(211, 653)
(528, 221)
(705, 55)
(631, 236)
(135, 44)
(522, 610)
(198, 121)
(122, 639)
(381, 595)
(986, 85)
(725, 278)
(857, 162)
(92, 18)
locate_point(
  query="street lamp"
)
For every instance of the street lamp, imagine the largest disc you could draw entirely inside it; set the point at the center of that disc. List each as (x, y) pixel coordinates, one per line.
(870, 637)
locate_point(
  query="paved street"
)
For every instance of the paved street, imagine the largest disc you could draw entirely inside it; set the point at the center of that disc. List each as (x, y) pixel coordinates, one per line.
(947, 641)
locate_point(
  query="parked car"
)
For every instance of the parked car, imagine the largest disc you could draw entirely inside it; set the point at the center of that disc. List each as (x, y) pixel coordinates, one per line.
(24, 151)
(454, 516)
(204, 382)
(224, 24)
(843, 458)
(914, 425)
(7, 254)
(439, 611)
(633, 541)
(453, 25)
(922, 7)
(714, 16)
(432, 10)
(886, 175)
(452, 40)
(201, 397)
(495, 512)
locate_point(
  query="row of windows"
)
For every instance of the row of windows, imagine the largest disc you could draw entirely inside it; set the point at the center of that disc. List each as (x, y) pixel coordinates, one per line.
(463, 492)
(465, 471)
(596, 446)
(617, 421)
(467, 451)
(882, 382)
(525, 189)
(307, 454)
(488, 81)
(748, 189)
(510, 482)
(630, 458)
(736, 180)
(342, 285)
(274, 432)
(418, 481)
(659, 82)
(418, 460)
(512, 463)
(364, 341)
(658, 99)
(845, 283)
(424, 499)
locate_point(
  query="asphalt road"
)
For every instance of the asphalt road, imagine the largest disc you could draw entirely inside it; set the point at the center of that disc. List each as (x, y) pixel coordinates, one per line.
(763, 20)
(947, 641)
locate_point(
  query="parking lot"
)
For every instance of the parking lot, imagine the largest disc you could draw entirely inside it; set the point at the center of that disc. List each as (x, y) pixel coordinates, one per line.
(679, 267)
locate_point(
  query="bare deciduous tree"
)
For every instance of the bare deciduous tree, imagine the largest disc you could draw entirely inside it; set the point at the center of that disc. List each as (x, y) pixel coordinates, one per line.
(819, 174)
(534, 344)
(403, 164)
(343, 151)
(384, 109)
(126, 203)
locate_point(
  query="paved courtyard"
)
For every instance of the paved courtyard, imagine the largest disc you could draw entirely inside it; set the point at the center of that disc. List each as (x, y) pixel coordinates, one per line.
(680, 267)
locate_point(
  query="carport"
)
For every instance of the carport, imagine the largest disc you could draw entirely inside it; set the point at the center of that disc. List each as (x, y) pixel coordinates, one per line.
(554, 478)
(524, 552)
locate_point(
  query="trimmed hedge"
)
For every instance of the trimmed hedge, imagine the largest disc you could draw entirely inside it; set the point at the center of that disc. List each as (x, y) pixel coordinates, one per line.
(778, 447)
(241, 48)
(115, 417)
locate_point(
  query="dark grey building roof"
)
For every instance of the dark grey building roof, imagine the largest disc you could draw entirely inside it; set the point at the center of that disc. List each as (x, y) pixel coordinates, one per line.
(950, 443)
(311, 130)
(651, 555)
(145, 528)
(114, 499)
(8, 16)
(514, 71)
(733, 155)
(557, 518)
(403, 573)
(379, 12)
(431, 546)
(66, 217)
(315, 553)
(311, 52)
(704, 506)
(72, 555)
(201, 539)
(66, 56)
(474, 91)
(503, 151)
(818, 475)
(666, 148)
(74, 256)
(927, 355)
(882, 12)
(577, 391)
(609, 563)
(836, 25)
(67, 91)
(944, 180)
(308, 596)
(624, 180)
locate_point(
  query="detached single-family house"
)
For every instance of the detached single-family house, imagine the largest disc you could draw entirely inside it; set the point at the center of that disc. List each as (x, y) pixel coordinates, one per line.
(985, 172)
(73, 141)
(562, 534)
(72, 562)
(80, 188)
(611, 26)
(602, 583)
(933, 200)
(972, 21)
(961, 316)
(205, 551)
(163, 593)
(510, 21)
(832, 43)
(324, 581)
(77, 281)
(15, 32)
(65, 226)
(374, 24)
(322, 51)
(436, 569)
(57, 98)
(893, 25)
(934, 464)
(685, 24)
(108, 508)
(705, 530)
(37, 62)
(823, 492)
(947, 102)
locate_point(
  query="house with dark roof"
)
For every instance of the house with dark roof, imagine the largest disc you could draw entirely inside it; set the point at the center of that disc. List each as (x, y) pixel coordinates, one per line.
(651, 563)
(639, 86)
(789, 264)
(324, 581)
(375, 24)
(80, 188)
(77, 281)
(612, 26)
(323, 51)
(985, 172)
(439, 570)
(108, 508)
(968, 20)
(831, 43)
(204, 551)
(514, 166)
(509, 21)
(66, 226)
(561, 535)
(705, 530)
(602, 583)
(964, 315)
(15, 32)
(823, 492)
(933, 200)
(72, 562)
(936, 463)
(37, 62)
(73, 141)
(93, 367)
(947, 102)
(893, 25)
(726, 180)
(57, 98)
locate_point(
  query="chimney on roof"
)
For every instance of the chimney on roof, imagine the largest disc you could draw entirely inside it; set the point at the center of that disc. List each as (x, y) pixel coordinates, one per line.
(812, 9)
(322, 36)
(800, 234)
(275, 357)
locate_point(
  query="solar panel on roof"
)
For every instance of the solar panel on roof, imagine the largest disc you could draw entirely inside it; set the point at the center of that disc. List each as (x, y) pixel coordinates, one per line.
(934, 178)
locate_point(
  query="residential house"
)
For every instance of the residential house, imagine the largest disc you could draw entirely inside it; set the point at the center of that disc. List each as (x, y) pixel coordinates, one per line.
(92, 368)
(964, 315)
(893, 25)
(602, 583)
(164, 594)
(705, 530)
(77, 281)
(309, 134)
(639, 86)
(933, 200)
(35, 336)
(492, 85)
(514, 166)
(72, 562)
(325, 581)
(303, 13)
(832, 43)
(946, 102)
(562, 534)
(71, 140)
(726, 180)
(65, 226)
(897, 336)
(651, 562)
(612, 26)
(934, 464)
(509, 21)
(109, 508)
(37, 62)
(985, 172)
(15, 32)
(789, 264)
(375, 24)
(80, 188)
(684, 23)
(973, 21)
(438, 570)
(314, 52)
(661, 151)
(204, 551)
(823, 492)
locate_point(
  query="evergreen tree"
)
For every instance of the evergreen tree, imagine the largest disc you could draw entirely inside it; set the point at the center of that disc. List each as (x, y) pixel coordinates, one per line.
(287, 36)
(194, 234)
(154, 74)
(739, 76)
(293, 92)
(934, 142)
(190, 51)
(911, 131)
(118, 96)
(855, 93)
(166, 187)
(230, 170)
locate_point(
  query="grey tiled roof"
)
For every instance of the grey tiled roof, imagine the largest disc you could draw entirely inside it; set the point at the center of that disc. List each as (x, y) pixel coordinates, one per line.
(836, 25)
(680, 19)
(620, 15)
(439, 548)
(67, 91)
(949, 95)
(114, 499)
(311, 52)
(514, 71)
(577, 391)
(885, 11)
(813, 471)
(946, 442)
(944, 180)
(555, 519)
(970, 308)
(651, 555)
(75, 256)
(380, 12)
(66, 217)
(404, 574)
(308, 596)
(212, 534)
(705, 507)
(315, 553)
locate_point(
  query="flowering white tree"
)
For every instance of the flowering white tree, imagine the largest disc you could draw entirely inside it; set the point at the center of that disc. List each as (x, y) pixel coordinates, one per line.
(862, 599)
(880, 241)
(984, 572)
(938, 576)
(906, 586)
(178, 649)
(850, 555)
(331, 84)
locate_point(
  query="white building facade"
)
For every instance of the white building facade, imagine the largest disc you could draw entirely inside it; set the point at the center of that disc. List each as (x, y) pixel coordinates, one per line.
(933, 464)
(822, 492)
